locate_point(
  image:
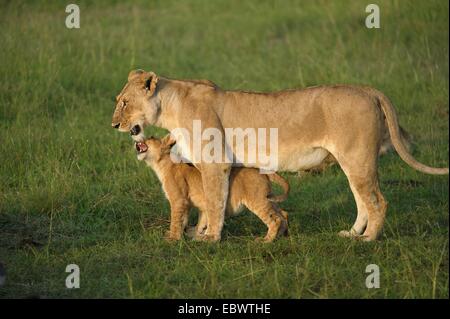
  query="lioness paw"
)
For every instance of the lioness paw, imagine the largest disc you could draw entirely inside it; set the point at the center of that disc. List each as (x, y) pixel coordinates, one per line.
(353, 235)
(345, 233)
(207, 238)
(265, 239)
(171, 237)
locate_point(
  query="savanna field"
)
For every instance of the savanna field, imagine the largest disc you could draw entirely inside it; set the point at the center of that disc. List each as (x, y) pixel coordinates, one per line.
(73, 192)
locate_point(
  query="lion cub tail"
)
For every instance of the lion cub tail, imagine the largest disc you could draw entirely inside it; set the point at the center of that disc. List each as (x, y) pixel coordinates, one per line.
(277, 179)
(399, 145)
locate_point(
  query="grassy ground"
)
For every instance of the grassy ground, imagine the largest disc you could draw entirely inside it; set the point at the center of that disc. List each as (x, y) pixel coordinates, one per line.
(72, 191)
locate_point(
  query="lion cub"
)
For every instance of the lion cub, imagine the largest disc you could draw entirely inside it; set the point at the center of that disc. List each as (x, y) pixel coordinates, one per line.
(182, 185)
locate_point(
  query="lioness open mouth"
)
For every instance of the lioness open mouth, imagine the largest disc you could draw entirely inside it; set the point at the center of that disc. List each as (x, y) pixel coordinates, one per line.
(141, 147)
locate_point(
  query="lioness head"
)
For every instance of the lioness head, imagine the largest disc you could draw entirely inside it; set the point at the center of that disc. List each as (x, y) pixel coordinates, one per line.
(137, 104)
(154, 149)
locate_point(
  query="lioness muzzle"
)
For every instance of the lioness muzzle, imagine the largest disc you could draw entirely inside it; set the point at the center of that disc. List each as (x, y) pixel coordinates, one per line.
(135, 130)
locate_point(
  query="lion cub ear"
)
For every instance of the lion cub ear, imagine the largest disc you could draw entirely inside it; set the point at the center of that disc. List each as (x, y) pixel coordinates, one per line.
(151, 80)
(168, 141)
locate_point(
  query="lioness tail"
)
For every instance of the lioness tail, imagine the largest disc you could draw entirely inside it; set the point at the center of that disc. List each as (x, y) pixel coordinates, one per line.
(397, 141)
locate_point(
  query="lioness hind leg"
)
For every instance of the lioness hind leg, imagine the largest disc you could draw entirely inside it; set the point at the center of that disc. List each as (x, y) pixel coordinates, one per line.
(361, 219)
(376, 214)
(371, 206)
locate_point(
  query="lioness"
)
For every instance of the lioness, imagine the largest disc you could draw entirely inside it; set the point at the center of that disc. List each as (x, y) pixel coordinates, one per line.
(182, 184)
(348, 122)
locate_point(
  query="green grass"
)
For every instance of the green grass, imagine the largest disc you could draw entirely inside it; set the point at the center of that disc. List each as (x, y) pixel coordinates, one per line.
(72, 190)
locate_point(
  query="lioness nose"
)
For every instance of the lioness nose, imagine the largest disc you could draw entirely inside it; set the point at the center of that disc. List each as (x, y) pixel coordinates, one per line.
(116, 125)
(135, 130)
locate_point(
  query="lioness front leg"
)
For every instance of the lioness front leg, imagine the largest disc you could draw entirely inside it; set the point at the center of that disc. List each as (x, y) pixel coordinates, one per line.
(215, 180)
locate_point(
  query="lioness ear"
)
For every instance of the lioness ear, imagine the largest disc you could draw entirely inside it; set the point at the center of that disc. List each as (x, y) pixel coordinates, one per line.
(150, 82)
(134, 73)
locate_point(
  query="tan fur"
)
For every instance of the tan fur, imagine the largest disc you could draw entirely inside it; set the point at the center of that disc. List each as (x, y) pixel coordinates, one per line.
(348, 122)
(386, 146)
(182, 184)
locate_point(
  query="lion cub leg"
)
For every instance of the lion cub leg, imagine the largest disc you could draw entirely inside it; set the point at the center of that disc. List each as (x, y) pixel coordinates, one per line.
(285, 216)
(179, 213)
(275, 222)
(283, 231)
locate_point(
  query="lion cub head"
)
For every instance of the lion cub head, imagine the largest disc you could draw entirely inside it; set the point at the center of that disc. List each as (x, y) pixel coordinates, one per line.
(137, 104)
(153, 149)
